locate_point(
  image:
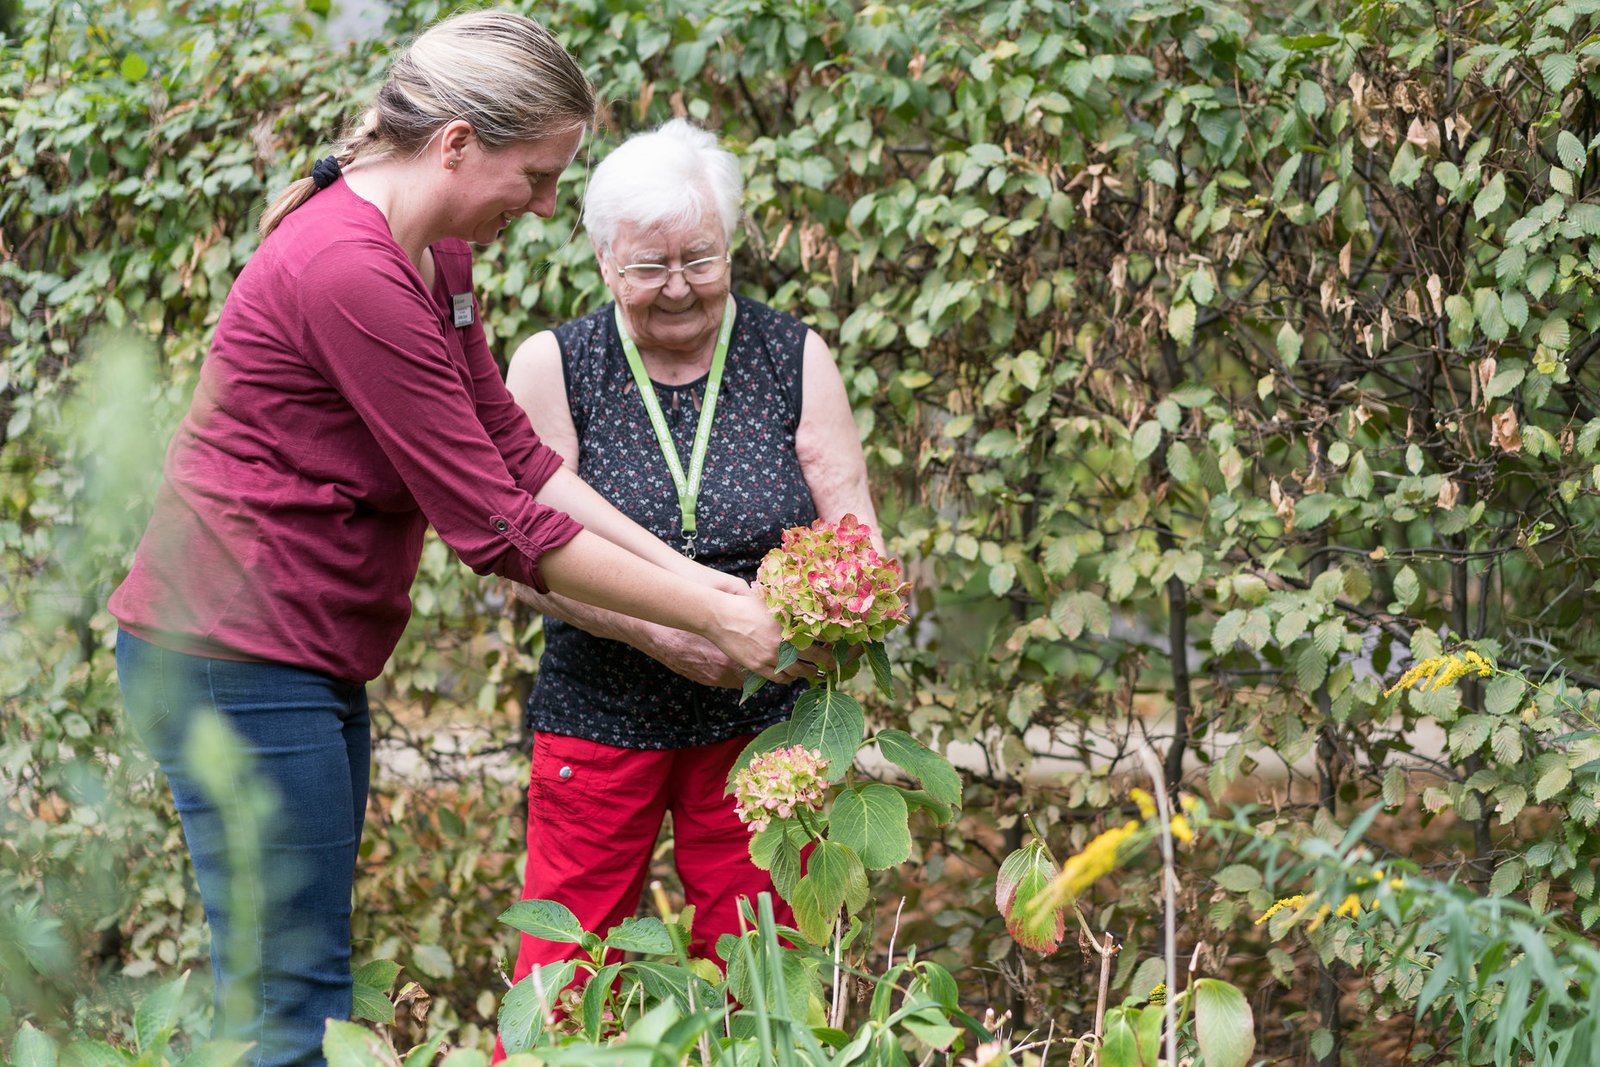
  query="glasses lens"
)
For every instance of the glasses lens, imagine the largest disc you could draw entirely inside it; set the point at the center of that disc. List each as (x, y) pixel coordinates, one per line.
(646, 275)
(704, 270)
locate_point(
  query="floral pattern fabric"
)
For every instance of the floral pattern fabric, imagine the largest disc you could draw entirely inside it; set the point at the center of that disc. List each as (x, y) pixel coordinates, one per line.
(753, 489)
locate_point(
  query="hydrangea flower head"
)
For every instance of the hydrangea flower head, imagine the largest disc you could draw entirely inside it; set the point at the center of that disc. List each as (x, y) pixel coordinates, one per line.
(827, 583)
(778, 784)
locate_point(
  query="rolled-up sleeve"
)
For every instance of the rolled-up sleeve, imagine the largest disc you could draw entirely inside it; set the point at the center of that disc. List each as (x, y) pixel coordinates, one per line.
(373, 331)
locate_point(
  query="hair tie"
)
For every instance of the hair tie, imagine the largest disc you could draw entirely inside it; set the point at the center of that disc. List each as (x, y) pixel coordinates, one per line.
(326, 172)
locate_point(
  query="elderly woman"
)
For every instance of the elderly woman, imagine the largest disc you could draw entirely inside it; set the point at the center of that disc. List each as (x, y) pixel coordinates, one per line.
(715, 422)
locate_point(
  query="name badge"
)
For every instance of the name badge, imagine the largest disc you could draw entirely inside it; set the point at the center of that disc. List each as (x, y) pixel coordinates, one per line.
(461, 307)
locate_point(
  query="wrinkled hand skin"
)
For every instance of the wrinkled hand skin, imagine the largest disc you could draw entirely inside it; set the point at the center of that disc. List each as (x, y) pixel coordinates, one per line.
(699, 661)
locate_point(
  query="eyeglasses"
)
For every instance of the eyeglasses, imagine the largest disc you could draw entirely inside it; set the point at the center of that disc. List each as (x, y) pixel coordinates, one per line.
(695, 272)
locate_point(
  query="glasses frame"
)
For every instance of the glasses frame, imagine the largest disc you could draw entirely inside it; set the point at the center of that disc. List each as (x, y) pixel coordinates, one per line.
(725, 259)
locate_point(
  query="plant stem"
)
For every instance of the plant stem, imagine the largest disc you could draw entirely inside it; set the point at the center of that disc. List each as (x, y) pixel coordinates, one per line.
(1169, 896)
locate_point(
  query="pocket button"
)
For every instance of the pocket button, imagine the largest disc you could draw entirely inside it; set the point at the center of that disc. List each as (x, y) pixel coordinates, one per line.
(565, 772)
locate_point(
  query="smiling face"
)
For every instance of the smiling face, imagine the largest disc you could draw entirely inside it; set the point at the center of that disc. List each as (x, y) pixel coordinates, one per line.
(494, 186)
(679, 320)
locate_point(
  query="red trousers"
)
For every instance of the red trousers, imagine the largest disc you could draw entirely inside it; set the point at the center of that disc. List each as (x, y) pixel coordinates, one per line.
(593, 815)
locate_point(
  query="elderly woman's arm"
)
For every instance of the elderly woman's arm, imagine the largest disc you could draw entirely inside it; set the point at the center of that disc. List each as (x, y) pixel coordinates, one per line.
(829, 445)
(535, 379)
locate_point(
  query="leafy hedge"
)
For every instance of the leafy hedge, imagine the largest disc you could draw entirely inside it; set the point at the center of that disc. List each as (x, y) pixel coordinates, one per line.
(1216, 362)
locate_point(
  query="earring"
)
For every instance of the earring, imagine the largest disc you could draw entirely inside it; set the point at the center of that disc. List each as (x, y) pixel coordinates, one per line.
(450, 163)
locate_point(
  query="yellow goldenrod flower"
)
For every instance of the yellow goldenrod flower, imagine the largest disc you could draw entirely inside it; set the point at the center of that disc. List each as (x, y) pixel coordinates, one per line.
(1158, 995)
(1397, 883)
(1436, 672)
(1181, 829)
(1098, 858)
(1296, 901)
(1187, 802)
(1146, 802)
(1351, 906)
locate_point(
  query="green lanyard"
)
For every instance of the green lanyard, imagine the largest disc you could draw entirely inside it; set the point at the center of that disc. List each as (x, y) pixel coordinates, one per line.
(688, 488)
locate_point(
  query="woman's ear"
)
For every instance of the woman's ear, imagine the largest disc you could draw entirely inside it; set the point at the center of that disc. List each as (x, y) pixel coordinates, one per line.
(453, 141)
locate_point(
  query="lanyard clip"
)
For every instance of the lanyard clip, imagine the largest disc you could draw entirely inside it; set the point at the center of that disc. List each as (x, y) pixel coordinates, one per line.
(688, 543)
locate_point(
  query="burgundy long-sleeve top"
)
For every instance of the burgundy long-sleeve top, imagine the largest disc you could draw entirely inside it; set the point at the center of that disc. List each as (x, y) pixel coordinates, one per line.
(344, 406)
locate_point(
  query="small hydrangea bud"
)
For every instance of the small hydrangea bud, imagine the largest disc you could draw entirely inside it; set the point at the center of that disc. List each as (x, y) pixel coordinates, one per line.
(778, 784)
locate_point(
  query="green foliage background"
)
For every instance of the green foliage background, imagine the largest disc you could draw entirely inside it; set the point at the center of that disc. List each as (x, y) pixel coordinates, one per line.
(1214, 361)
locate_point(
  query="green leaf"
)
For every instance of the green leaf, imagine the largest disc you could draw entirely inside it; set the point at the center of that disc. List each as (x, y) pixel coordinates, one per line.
(1121, 1048)
(1223, 1024)
(1145, 439)
(834, 879)
(1286, 173)
(930, 1028)
(1288, 345)
(648, 936)
(872, 820)
(1162, 173)
(1490, 197)
(1310, 98)
(1558, 69)
(1239, 878)
(1226, 631)
(348, 1045)
(1551, 782)
(1571, 152)
(215, 1054)
(1358, 479)
(433, 961)
(931, 770)
(878, 660)
(1406, 168)
(157, 1016)
(830, 722)
(1406, 587)
(544, 919)
(1541, 272)
(423, 1055)
(1556, 334)
(1325, 200)
(32, 1048)
(87, 1052)
(1503, 382)
(134, 67)
(1503, 694)
(1310, 667)
(777, 849)
(1514, 306)
(787, 655)
(371, 989)
(1180, 322)
(1507, 877)
(1025, 874)
(752, 685)
(526, 1005)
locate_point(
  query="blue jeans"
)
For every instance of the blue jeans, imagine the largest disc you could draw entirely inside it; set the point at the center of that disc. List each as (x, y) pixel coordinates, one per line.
(272, 808)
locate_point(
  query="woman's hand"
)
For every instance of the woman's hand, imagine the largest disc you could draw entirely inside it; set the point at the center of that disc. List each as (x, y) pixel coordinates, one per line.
(696, 658)
(745, 630)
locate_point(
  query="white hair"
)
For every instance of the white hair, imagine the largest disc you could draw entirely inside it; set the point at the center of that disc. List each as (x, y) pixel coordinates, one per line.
(672, 176)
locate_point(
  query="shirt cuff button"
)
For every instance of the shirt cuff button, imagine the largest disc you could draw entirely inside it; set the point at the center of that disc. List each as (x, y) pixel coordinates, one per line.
(501, 525)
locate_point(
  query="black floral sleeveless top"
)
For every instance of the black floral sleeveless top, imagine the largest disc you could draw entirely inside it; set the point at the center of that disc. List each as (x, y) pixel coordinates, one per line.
(752, 491)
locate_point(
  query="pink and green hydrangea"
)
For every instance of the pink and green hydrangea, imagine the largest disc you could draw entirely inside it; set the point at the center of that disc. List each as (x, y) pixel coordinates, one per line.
(779, 784)
(827, 583)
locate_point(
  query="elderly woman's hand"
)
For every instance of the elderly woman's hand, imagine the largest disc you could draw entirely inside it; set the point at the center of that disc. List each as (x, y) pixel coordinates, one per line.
(696, 658)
